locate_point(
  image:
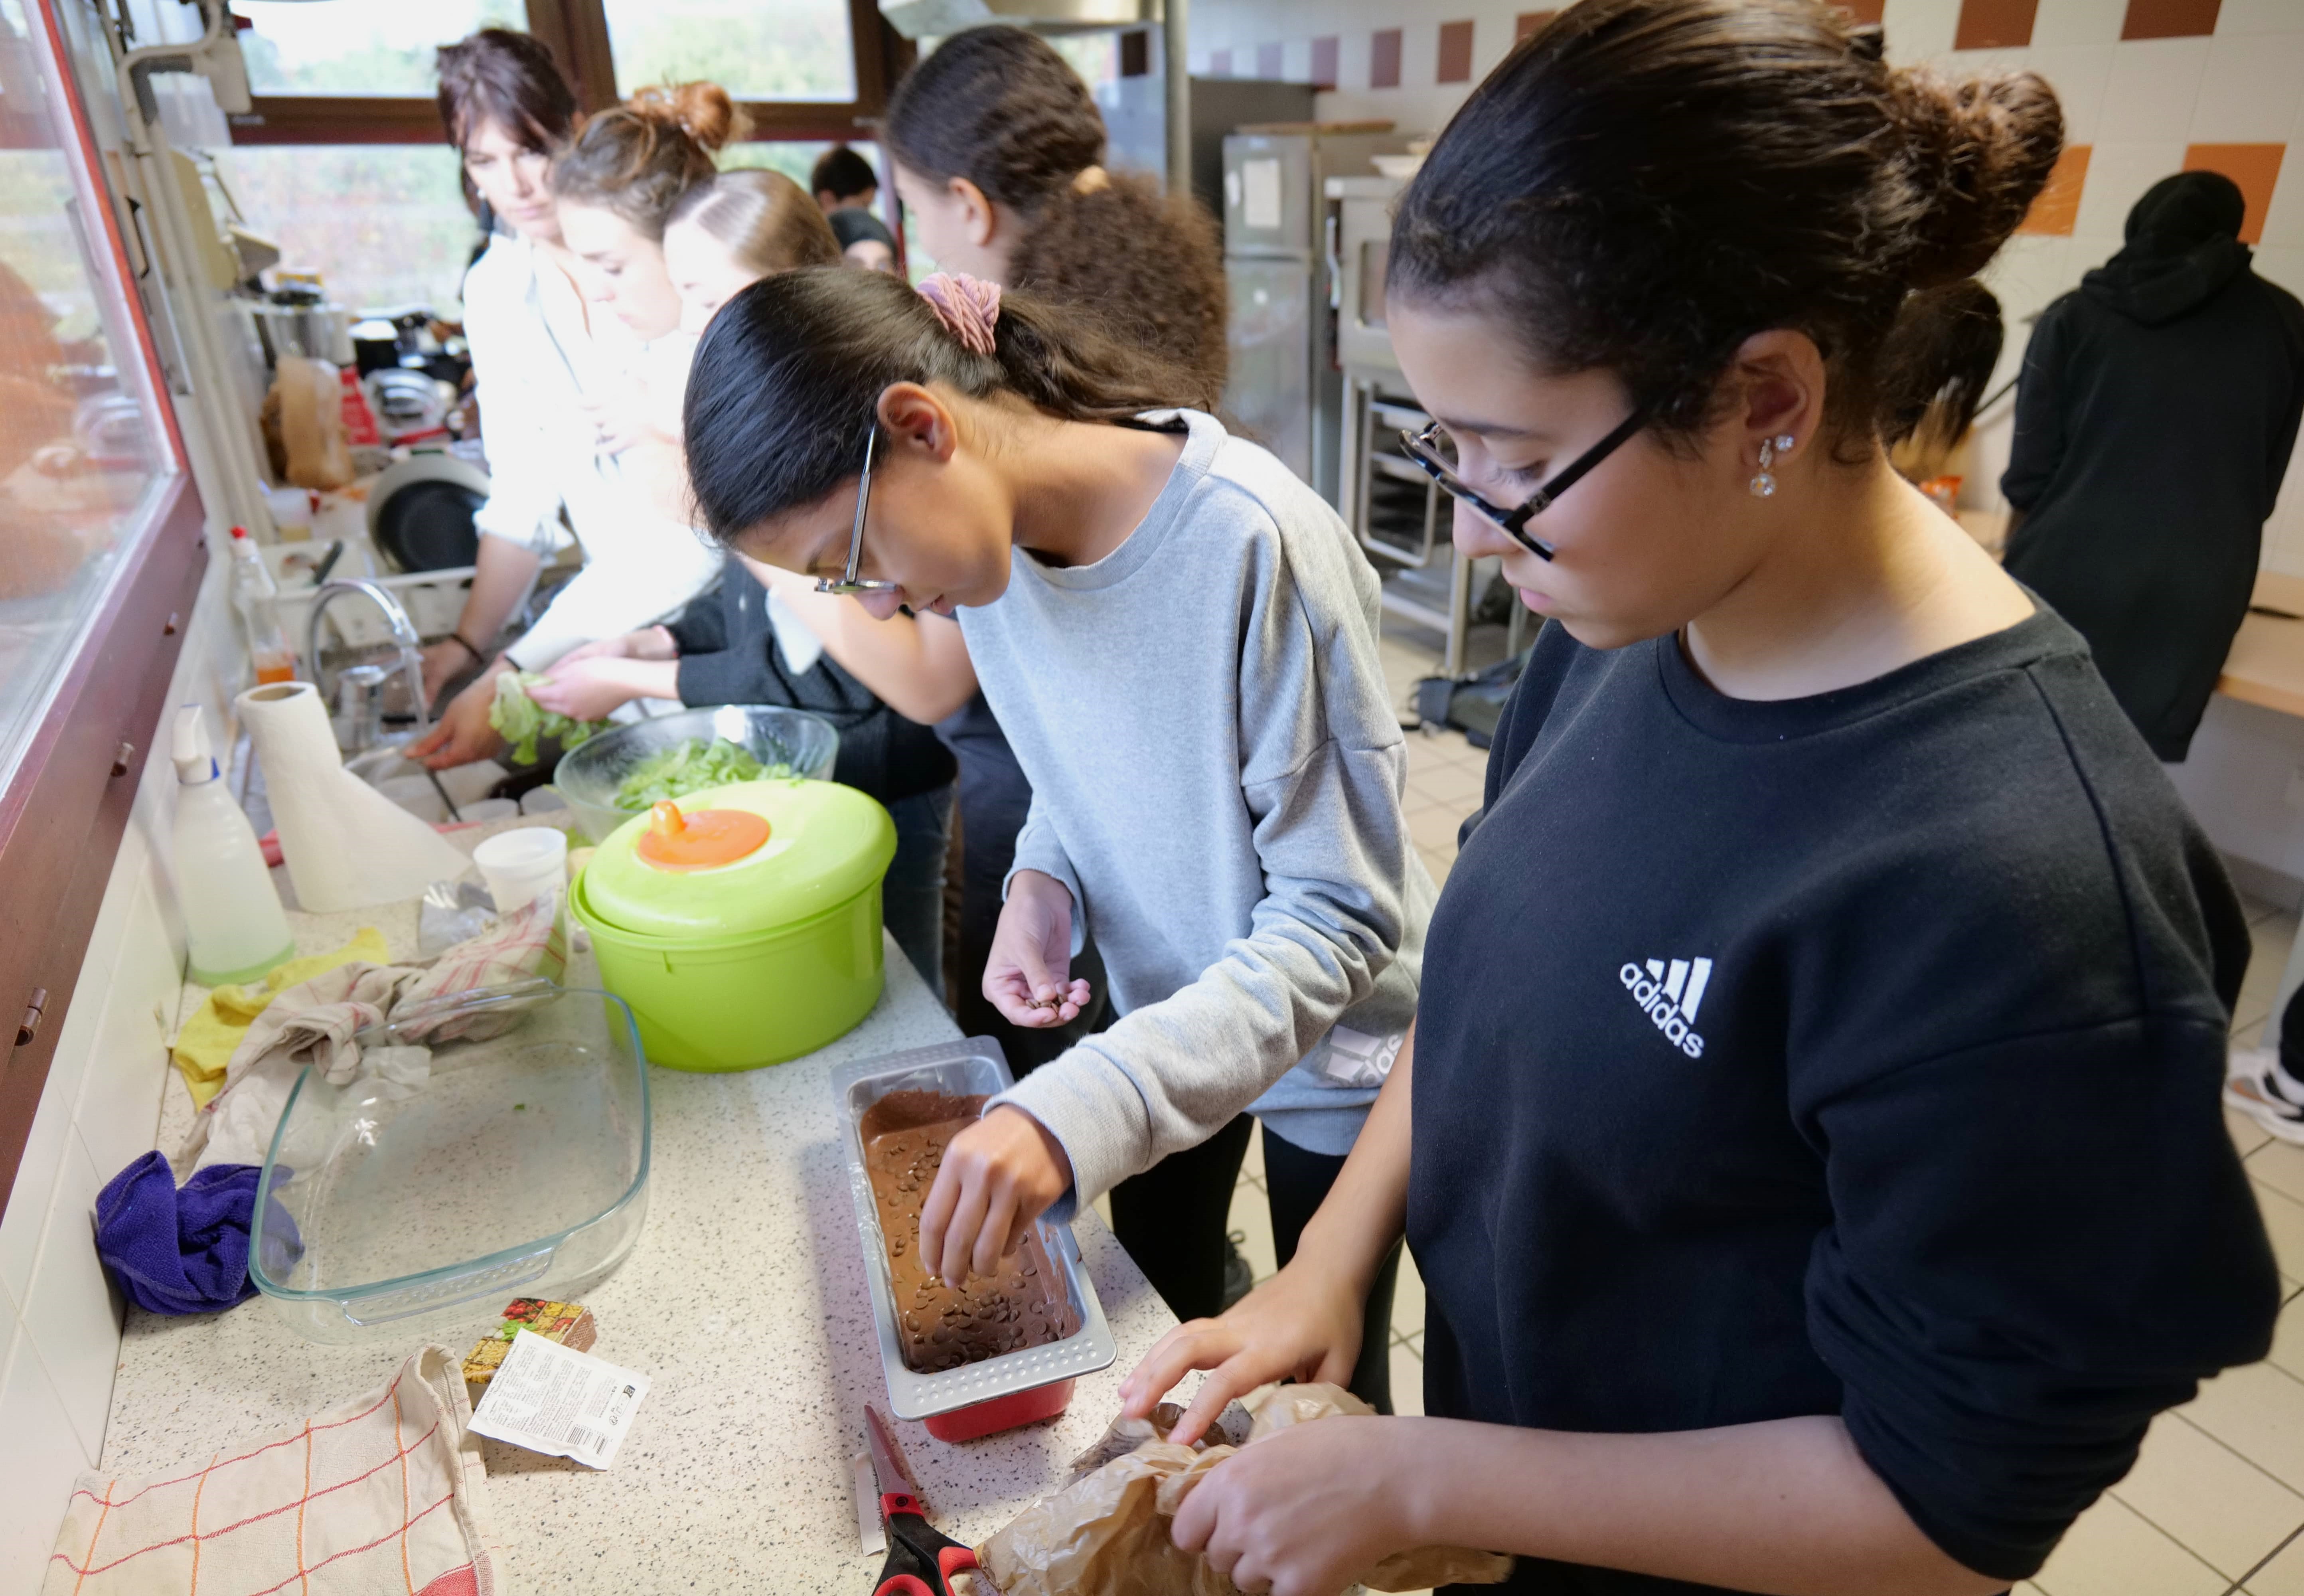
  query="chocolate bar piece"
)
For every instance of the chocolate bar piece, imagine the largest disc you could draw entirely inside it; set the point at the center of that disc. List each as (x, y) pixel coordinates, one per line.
(941, 1326)
(568, 1323)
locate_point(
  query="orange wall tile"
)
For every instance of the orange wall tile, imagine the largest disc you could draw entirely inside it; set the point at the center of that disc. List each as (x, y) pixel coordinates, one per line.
(1995, 24)
(1324, 51)
(2255, 168)
(1864, 11)
(1529, 21)
(2169, 19)
(1455, 52)
(1384, 58)
(2058, 206)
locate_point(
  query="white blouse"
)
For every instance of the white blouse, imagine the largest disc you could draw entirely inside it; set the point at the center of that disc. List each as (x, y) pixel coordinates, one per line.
(533, 356)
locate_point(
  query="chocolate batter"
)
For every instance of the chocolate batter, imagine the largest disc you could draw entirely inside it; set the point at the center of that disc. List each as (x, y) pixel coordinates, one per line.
(941, 1326)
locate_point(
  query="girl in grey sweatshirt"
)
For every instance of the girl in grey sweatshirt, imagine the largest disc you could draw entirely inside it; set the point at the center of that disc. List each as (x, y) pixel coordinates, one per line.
(1180, 641)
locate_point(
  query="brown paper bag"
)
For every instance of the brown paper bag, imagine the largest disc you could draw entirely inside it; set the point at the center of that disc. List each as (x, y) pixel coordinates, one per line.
(1108, 1532)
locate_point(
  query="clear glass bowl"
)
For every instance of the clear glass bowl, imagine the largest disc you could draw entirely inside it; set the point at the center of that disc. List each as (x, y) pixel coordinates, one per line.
(518, 1168)
(588, 775)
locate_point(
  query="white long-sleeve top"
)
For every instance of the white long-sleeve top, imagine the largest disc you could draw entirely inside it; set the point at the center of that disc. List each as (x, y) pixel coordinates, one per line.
(534, 354)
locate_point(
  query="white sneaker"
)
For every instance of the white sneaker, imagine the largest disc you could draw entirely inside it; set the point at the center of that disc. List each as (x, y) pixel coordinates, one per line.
(2255, 1087)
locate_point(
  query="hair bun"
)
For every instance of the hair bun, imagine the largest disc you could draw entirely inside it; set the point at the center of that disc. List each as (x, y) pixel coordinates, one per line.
(703, 111)
(1980, 151)
(1868, 41)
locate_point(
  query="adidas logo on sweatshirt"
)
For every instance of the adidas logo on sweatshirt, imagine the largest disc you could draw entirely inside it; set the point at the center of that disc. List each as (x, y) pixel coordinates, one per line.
(1669, 995)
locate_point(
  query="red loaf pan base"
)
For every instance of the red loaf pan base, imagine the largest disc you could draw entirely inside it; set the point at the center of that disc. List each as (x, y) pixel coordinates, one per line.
(1016, 1409)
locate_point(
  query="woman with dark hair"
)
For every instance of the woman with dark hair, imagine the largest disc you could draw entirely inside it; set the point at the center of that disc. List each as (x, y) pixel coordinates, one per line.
(554, 372)
(1810, 1138)
(1943, 349)
(1182, 653)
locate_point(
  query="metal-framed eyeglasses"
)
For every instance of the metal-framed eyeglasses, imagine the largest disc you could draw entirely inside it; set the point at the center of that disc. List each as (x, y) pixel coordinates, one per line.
(850, 580)
(1435, 455)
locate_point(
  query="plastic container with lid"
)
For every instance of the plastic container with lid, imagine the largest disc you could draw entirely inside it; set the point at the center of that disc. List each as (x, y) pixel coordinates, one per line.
(743, 927)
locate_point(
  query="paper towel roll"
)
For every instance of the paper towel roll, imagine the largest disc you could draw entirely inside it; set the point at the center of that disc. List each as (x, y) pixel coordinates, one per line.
(346, 844)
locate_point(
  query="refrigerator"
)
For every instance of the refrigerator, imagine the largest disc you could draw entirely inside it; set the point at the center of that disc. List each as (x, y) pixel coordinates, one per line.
(1286, 389)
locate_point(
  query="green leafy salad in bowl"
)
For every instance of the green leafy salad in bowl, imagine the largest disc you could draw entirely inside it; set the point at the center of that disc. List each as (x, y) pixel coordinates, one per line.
(692, 767)
(523, 722)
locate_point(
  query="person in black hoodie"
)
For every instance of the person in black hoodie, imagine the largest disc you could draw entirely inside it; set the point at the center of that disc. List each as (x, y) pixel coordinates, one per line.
(2156, 414)
(1809, 1140)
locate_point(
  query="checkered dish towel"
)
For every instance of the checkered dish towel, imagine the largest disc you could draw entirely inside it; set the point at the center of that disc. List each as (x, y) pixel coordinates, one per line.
(383, 1496)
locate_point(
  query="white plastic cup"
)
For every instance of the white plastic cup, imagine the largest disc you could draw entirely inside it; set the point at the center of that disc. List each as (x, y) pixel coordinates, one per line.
(523, 865)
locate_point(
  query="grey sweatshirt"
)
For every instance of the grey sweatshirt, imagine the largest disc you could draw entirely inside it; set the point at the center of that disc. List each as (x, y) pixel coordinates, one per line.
(1216, 775)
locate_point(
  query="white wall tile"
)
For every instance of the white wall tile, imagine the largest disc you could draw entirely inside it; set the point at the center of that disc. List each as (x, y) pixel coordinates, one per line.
(2257, 16)
(1918, 29)
(2154, 87)
(73, 1314)
(42, 1459)
(2284, 222)
(2077, 22)
(120, 1097)
(2249, 88)
(2286, 264)
(2118, 172)
(2079, 73)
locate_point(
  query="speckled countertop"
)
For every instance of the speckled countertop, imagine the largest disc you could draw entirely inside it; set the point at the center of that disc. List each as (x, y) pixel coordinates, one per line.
(743, 1301)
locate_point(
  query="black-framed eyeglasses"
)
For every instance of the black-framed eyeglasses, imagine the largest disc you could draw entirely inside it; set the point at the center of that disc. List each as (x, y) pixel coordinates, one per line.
(1435, 456)
(850, 580)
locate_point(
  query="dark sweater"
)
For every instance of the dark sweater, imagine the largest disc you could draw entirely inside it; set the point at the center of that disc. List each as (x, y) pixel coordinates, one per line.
(2156, 414)
(728, 655)
(1855, 1055)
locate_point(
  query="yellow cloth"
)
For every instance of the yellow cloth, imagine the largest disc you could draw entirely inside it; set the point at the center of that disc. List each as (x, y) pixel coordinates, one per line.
(214, 1031)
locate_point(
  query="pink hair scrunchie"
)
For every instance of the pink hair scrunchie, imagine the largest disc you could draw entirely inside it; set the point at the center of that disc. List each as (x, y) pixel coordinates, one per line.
(968, 307)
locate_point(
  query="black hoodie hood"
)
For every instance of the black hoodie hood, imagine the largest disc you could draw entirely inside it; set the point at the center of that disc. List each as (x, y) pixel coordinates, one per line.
(2183, 250)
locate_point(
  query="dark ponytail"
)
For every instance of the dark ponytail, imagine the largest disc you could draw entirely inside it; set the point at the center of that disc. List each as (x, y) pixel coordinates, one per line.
(1643, 184)
(998, 107)
(790, 373)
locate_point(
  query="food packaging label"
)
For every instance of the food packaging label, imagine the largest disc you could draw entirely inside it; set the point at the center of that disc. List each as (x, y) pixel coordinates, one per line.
(550, 1399)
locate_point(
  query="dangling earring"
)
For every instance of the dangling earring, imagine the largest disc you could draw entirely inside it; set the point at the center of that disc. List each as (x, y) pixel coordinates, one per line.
(1764, 485)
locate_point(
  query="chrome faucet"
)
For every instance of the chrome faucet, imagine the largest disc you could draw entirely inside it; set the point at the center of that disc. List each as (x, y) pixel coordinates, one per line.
(404, 632)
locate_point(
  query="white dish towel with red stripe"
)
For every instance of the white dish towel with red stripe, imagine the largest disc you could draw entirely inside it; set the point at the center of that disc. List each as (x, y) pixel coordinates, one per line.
(383, 1495)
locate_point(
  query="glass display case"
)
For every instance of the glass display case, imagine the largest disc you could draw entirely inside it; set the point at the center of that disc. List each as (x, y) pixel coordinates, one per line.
(85, 450)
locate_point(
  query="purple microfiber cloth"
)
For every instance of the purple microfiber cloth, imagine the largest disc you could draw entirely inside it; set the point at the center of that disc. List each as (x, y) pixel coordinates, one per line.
(183, 1251)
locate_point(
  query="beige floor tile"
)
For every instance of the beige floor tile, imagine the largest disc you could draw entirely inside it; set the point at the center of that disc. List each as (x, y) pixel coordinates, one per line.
(2256, 908)
(1407, 1380)
(1454, 786)
(2246, 1134)
(2279, 1164)
(1438, 864)
(1251, 1213)
(2215, 1504)
(2258, 1412)
(2283, 1576)
(2288, 1338)
(1252, 1166)
(2283, 1218)
(1408, 1301)
(2111, 1551)
(1434, 827)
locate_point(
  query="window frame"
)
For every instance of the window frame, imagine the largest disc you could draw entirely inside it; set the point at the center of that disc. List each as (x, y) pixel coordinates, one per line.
(577, 33)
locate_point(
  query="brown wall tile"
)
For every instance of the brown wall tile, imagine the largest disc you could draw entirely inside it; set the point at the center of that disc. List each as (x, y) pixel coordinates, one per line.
(1268, 59)
(1455, 52)
(1529, 21)
(1324, 51)
(1384, 58)
(1995, 24)
(2169, 19)
(2255, 168)
(1864, 11)
(2058, 206)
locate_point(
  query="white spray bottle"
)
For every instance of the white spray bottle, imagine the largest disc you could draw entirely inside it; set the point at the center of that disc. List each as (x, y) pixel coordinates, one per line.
(232, 916)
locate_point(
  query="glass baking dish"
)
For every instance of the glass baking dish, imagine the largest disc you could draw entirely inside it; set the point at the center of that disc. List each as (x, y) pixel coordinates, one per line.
(520, 1168)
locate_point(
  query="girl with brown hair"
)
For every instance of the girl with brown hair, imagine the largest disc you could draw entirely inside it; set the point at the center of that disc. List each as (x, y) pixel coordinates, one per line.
(727, 235)
(1809, 1140)
(567, 403)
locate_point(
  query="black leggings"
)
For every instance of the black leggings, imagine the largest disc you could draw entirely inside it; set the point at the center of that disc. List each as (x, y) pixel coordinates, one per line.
(1297, 1182)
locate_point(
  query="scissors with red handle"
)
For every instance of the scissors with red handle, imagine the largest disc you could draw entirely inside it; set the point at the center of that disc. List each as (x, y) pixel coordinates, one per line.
(921, 1561)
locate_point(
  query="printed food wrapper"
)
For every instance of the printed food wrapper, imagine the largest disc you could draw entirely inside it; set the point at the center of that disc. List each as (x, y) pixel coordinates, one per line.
(1108, 1532)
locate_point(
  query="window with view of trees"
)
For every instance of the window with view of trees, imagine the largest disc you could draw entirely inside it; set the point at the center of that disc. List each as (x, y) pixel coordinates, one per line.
(294, 46)
(790, 50)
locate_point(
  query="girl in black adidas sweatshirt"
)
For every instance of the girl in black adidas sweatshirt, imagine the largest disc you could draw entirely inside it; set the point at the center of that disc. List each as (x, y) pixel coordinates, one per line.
(1810, 1142)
